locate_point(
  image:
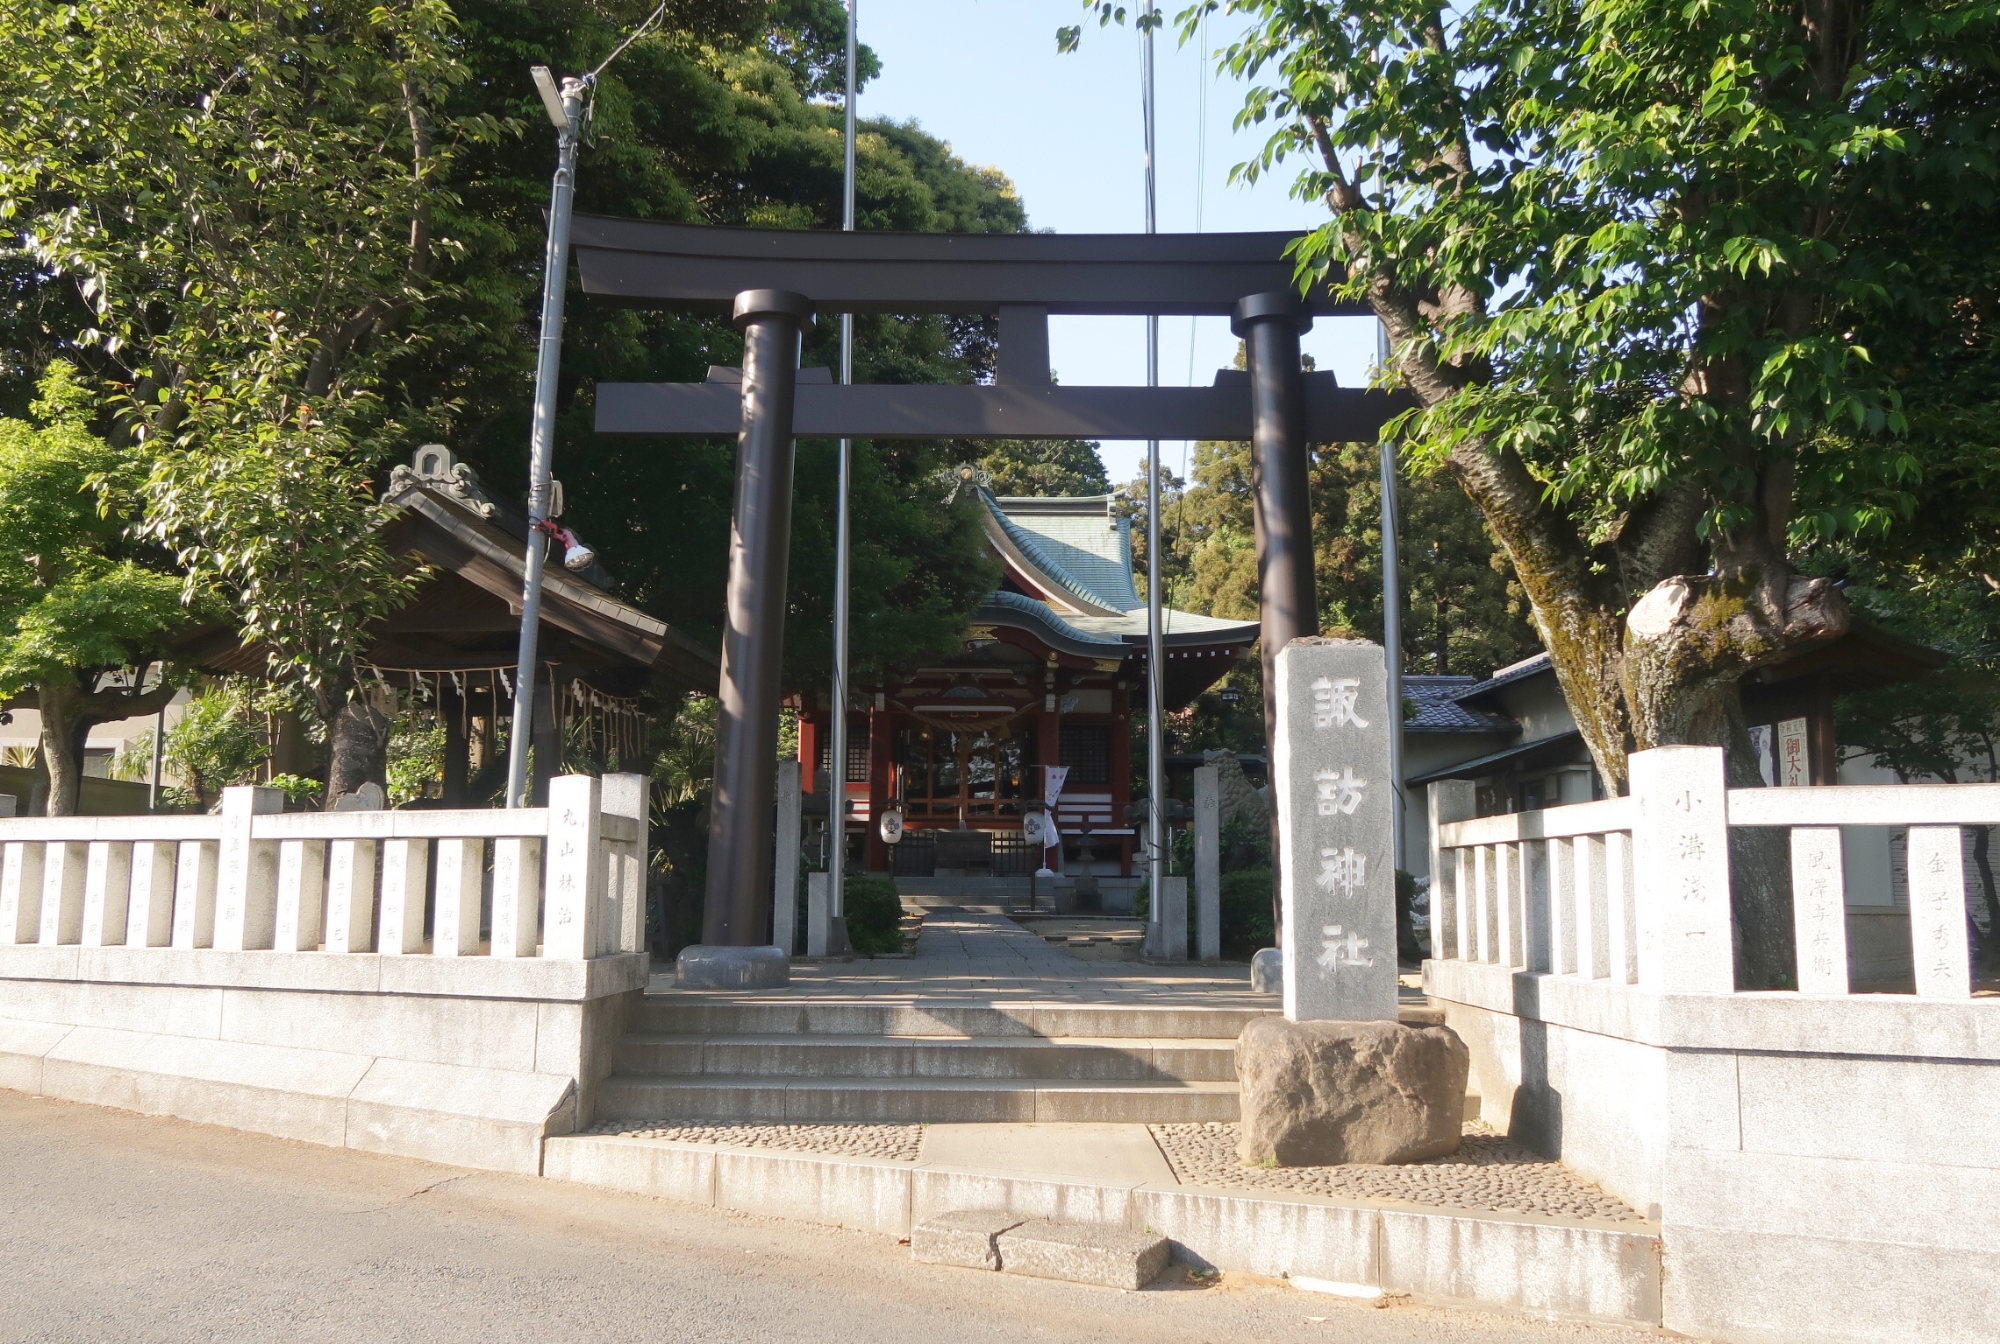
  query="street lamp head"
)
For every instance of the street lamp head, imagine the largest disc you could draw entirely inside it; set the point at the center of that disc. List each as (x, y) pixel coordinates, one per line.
(545, 84)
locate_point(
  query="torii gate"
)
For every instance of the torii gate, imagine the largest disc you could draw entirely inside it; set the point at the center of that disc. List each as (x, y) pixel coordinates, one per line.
(771, 281)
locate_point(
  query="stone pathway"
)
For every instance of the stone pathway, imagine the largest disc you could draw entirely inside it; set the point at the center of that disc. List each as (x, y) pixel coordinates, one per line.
(1489, 1172)
(975, 957)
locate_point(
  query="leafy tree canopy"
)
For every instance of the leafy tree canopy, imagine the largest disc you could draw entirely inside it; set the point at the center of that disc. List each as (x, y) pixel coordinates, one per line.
(1048, 468)
(1631, 255)
(294, 240)
(78, 604)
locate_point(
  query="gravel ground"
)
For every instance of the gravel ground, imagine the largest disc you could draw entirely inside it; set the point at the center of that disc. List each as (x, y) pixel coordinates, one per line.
(898, 1143)
(1489, 1172)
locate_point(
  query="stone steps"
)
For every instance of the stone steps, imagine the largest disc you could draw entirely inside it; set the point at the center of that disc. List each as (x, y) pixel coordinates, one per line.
(771, 1100)
(741, 1058)
(716, 1014)
(1095, 1059)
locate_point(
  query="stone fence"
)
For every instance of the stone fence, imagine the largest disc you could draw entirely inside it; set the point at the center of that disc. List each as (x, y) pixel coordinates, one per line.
(1820, 1161)
(443, 984)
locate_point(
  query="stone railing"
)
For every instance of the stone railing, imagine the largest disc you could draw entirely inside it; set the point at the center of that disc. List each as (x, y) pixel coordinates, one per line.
(1789, 1142)
(1634, 891)
(566, 881)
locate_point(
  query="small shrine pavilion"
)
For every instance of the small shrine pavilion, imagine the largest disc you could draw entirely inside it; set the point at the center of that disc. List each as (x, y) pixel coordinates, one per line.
(1053, 666)
(454, 643)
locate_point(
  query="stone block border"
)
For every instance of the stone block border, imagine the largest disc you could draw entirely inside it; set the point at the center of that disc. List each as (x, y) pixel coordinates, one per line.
(1572, 1268)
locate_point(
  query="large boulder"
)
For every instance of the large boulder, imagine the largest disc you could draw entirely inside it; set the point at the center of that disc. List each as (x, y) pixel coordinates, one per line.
(1324, 1093)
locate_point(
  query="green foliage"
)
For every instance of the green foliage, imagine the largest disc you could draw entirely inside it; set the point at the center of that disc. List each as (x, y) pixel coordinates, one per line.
(283, 518)
(217, 742)
(300, 238)
(1246, 913)
(684, 751)
(74, 599)
(1048, 468)
(300, 793)
(416, 754)
(1462, 610)
(874, 915)
(1677, 290)
(246, 199)
(239, 193)
(721, 125)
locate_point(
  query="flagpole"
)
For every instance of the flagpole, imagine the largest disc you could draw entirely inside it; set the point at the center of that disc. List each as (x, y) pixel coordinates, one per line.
(836, 859)
(1156, 663)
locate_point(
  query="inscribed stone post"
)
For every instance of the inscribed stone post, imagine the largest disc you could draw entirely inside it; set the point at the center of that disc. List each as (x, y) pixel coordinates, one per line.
(1330, 767)
(64, 869)
(246, 892)
(1207, 863)
(785, 869)
(574, 868)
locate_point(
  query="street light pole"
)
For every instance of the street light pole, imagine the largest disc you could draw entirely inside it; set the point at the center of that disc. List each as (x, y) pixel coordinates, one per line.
(836, 743)
(1156, 661)
(1392, 619)
(566, 109)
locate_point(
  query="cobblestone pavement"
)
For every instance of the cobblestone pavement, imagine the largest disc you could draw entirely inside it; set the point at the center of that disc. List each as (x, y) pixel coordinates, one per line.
(975, 957)
(1489, 1172)
(898, 1143)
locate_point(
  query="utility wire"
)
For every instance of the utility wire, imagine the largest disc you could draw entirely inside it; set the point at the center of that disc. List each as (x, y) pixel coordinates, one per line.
(652, 22)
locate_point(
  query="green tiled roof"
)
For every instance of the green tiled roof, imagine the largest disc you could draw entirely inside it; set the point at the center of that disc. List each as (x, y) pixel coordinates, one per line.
(1076, 543)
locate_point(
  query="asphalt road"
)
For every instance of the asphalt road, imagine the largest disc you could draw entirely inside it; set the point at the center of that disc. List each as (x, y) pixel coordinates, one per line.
(121, 1227)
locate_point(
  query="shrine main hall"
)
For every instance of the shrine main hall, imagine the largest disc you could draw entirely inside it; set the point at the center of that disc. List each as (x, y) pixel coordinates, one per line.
(1052, 668)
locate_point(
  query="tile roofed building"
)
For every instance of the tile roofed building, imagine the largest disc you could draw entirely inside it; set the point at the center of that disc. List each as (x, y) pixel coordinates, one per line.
(1053, 664)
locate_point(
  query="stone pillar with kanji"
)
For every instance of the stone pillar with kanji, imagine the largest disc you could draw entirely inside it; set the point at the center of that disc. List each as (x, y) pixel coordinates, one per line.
(1330, 767)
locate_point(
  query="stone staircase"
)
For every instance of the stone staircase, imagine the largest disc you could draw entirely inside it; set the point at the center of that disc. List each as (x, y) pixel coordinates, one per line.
(769, 1061)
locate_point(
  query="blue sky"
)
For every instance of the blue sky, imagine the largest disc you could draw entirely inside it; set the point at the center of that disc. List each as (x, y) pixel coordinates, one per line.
(985, 76)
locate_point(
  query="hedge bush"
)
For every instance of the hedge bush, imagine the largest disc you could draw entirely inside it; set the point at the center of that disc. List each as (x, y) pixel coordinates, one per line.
(874, 915)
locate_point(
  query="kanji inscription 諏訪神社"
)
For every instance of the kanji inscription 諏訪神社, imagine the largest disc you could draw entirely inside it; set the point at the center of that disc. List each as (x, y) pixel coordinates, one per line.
(1331, 770)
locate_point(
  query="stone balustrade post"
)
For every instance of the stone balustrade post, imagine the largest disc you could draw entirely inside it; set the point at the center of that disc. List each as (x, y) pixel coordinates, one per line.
(64, 867)
(246, 888)
(194, 895)
(149, 910)
(624, 929)
(107, 887)
(1680, 860)
(575, 867)
(1451, 916)
(819, 913)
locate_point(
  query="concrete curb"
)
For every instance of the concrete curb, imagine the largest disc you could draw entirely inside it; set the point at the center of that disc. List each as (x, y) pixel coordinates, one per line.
(1571, 1268)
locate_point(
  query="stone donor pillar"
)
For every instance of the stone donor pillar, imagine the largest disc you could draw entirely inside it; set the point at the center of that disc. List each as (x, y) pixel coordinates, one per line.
(1330, 766)
(736, 911)
(1207, 864)
(1338, 1078)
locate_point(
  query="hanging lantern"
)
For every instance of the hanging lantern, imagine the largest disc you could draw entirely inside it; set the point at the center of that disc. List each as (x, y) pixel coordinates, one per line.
(892, 825)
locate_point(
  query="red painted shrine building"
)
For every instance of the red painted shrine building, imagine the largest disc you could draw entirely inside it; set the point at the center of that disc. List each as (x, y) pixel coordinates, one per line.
(1053, 667)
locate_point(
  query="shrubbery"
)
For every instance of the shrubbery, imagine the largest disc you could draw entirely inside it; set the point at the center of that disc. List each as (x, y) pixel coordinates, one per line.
(874, 915)
(1246, 913)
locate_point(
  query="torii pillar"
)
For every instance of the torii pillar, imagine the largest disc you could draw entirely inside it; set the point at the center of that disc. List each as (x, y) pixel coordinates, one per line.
(736, 949)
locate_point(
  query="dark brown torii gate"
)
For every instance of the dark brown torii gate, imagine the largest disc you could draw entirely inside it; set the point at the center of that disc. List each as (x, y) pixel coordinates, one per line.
(771, 281)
